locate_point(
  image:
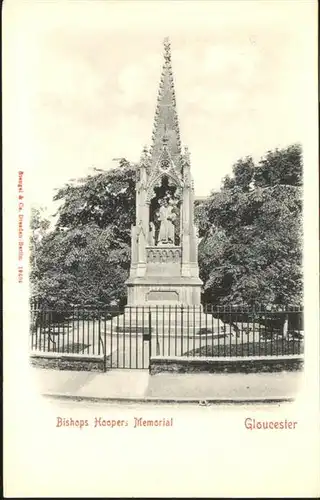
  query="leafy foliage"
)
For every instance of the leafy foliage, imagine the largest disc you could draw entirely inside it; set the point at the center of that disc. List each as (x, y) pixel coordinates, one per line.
(251, 249)
(282, 166)
(85, 260)
(105, 199)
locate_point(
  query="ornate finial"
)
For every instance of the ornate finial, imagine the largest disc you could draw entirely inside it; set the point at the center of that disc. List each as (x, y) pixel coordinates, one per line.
(187, 154)
(144, 154)
(166, 44)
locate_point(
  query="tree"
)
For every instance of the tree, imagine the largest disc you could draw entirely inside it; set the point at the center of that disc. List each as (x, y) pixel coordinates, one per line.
(39, 226)
(85, 259)
(282, 166)
(243, 172)
(251, 249)
(105, 199)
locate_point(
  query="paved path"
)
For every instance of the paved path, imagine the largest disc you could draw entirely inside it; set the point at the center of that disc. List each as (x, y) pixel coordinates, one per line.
(138, 384)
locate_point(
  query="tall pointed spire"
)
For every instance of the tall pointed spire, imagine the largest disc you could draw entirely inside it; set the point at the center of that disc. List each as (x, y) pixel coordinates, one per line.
(166, 126)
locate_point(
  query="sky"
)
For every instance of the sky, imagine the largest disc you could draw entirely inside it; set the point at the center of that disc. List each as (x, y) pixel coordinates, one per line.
(84, 76)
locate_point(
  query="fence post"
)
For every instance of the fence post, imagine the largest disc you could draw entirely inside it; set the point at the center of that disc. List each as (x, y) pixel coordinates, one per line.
(105, 343)
(150, 338)
(285, 326)
(157, 331)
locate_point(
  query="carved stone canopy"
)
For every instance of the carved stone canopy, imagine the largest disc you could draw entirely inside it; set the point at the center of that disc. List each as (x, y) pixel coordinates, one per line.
(157, 181)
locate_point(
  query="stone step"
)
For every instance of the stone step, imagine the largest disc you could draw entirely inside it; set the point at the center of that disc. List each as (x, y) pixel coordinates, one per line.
(198, 317)
(168, 327)
(172, 334)
(168, 332)
(173, 324)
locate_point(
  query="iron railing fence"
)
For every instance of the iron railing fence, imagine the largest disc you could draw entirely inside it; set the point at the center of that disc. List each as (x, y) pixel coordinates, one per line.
(128, 337)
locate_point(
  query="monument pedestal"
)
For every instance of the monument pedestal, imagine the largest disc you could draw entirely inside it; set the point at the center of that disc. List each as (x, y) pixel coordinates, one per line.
(161, 282)
(164, 291)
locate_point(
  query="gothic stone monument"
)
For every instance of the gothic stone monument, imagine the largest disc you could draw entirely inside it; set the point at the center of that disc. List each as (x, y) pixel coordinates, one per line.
(164, 260)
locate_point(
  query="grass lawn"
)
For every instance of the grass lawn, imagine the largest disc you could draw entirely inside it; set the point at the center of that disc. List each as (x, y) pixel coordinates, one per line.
(277, 347)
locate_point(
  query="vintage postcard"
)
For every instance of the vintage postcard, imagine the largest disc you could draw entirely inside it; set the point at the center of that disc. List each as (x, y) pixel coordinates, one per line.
(161, 291)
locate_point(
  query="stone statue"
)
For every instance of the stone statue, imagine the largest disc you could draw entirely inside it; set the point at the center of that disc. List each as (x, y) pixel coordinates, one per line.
(140, 230)
(152, 232)
(166, 217)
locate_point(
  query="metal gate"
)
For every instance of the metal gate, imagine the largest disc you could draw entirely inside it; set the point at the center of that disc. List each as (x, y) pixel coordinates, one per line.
(127, 339)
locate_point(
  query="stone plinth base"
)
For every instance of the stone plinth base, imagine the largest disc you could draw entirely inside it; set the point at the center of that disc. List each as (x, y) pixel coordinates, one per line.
(164, 291)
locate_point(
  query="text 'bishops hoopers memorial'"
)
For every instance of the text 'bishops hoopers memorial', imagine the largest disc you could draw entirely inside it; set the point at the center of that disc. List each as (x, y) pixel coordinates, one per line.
(164, 259)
